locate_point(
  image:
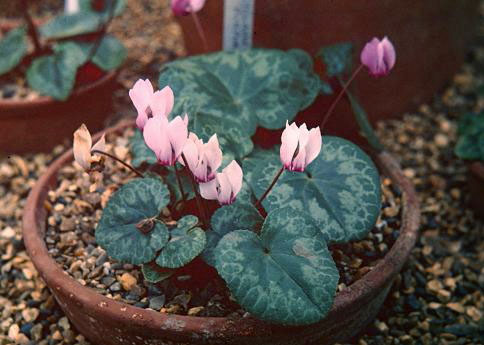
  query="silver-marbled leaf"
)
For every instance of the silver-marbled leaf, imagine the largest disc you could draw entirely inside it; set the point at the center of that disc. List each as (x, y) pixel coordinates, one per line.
(340, 189)
(286, 275)
(117, 232)
(186, 242)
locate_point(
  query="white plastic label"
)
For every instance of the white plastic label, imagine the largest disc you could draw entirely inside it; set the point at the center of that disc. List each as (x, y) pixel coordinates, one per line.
(238, 24)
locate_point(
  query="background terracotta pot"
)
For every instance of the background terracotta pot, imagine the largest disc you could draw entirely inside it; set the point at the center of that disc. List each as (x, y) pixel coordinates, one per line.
(475, 181)
(107, 322)
(40, 124)
(431, 38)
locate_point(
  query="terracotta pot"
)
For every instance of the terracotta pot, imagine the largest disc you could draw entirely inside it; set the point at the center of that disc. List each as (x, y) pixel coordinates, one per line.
(430, 37)
(40, 124)
(475, 182)
(105, 321)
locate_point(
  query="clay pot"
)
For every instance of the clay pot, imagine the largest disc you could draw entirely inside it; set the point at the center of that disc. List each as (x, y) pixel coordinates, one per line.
(107, 322)
(475, 182)
(40, 124)
(430, 37)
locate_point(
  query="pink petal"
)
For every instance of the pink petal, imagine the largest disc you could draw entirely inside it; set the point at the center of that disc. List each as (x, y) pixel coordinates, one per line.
(289, 142)
(141, 120)
(225, 191)
(156, 138)
(369, 55)
(234, 173)
(82, 147)
(389, 54)
(162, 102)
(190, 151)
(314, 144)
(141, 94)
(209, 190)
(178, 135)
(200, 172)
(299, 162)
(213, 153)
(196, 5)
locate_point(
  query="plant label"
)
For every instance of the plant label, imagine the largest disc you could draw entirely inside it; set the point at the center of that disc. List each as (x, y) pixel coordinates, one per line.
(238, 24)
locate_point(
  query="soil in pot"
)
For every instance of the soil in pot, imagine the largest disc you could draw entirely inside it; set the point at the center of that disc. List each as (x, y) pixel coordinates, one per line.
(76, 206)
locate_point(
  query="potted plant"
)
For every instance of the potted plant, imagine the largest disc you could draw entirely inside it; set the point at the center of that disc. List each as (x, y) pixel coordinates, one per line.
(470, 147)
(310, 24)
(61, 65)
(204, 204)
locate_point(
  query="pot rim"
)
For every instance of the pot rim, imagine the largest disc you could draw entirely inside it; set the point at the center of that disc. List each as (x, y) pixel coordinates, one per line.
(42, 101)
(34, 220)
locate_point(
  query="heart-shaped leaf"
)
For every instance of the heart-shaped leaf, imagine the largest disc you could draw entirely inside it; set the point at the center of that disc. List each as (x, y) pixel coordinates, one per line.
(340, 189)
(186, 242)
(68, 25)
(239, 215)
(337, 57)
(140, 151)
(128, 230)
(155, 274)
(231, 93)
(109, 55)
(54, 75)
(286, 275)
(13, 48)
(86, 5)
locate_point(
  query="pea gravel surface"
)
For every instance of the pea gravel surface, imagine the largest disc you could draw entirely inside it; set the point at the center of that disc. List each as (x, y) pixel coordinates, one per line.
(437, 298)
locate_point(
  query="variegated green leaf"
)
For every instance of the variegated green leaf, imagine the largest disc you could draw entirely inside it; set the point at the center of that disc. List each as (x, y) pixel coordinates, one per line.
(118, 232)
(239, 215)
(13, 48)
(337, 58)
(286, 275)
(186, 242)
(155, 274)
(340, 189)
(231, 93)
(470, 144)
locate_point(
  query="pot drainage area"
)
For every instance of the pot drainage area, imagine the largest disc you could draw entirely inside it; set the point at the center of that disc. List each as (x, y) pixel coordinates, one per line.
(437, 297)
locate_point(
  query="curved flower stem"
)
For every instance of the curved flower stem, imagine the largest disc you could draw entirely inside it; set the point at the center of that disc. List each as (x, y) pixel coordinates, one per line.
(31, 26)
(338, 98)
(180, 186)
(279, 173)
(203, 214)
(137, 172)
(201, 33)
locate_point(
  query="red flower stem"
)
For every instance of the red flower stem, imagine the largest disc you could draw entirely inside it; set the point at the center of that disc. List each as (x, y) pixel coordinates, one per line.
(32, 30)
(137, 172)
(180, 186)
(203, 214)
(257, 204)
(338, 98)
(201, 33)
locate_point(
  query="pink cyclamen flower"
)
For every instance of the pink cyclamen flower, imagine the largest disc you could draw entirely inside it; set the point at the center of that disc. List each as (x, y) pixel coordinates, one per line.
(378, 56)
(149, 103)
(299, 146)
(203, 159)
(166, 138)
(185, 7)
(225, 186)
(82, 147)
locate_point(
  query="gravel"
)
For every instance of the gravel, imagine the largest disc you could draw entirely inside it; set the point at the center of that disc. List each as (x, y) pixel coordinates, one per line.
(437, 298)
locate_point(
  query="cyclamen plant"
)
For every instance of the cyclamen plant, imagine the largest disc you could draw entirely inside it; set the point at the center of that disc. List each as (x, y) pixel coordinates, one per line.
(470, 144)
(278, 209)
(70, 49)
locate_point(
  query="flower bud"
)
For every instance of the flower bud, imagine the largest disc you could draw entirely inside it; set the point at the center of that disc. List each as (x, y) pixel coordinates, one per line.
(82, 147)
(185, 7)
(378, 56)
